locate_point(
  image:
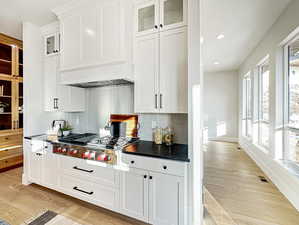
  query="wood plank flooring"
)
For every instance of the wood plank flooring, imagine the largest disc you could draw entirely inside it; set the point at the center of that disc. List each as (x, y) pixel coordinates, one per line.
(19, 203)
(232, 179)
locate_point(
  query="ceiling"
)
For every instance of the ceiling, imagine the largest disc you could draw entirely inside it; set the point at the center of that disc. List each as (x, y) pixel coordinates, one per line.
(14, 12)
(243, 23)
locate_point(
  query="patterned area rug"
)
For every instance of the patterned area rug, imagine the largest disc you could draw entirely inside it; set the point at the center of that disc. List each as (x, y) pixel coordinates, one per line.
(49, 218)
(2, 222)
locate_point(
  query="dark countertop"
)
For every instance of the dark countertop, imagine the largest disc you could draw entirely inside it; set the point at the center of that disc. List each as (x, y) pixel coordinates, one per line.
(178, 152)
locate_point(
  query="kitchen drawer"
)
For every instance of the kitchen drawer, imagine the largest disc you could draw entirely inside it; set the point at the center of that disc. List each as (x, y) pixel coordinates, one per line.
(11, 161)
(154, 164)
(9, 140)
(100, 195)
(89, 170)
(11, 151)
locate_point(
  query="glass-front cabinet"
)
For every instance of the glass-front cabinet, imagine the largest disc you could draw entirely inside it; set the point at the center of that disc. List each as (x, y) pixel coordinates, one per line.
(11, 87)
(52, 44)
(159, 15)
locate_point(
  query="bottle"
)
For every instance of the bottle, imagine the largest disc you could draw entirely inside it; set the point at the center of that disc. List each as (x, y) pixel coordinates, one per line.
(158, 136)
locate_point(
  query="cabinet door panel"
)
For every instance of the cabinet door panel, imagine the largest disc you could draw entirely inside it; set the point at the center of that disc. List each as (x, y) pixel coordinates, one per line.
(134, 201)
(173, 71)
(71, 42)
(110, 31)
(89, 36)
(49, 167)
(166, 199)
(35, 160)
(147, 17)
(146, 73)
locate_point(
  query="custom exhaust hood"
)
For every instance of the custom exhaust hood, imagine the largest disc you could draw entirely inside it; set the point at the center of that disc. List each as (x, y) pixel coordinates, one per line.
(94, 84)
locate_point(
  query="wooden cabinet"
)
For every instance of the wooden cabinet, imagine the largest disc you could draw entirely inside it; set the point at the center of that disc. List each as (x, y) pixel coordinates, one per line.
(134, 192)
(161, 72)
(93, 34)
(11, 100)
(152, 16)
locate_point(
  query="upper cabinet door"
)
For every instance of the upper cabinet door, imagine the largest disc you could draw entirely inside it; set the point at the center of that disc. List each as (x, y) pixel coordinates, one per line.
(147, 17)
(173, 14)
(173, 94)
(71, 33)
(146, 73)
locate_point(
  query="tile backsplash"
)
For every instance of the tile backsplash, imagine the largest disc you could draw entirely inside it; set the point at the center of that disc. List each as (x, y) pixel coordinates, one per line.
(101, 102)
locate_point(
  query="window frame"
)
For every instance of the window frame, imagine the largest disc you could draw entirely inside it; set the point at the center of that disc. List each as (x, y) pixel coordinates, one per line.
(260, 120)
(286, 101)
(247, 114)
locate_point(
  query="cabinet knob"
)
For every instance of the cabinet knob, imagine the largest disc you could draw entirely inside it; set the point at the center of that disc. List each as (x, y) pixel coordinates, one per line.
(145, 176)
(150, 177)
(132, 162)
(164, 167)
(161, 25)
(156, 27)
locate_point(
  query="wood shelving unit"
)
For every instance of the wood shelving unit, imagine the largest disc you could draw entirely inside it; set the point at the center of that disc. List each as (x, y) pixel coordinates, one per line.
(11, 100)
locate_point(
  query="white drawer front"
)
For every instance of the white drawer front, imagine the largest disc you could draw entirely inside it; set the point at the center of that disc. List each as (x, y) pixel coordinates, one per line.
(89, 170)
(153, 164)
(103, 196)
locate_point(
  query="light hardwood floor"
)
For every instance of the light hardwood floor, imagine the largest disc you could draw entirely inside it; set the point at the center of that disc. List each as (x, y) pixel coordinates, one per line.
(232, 179)
(19, 203)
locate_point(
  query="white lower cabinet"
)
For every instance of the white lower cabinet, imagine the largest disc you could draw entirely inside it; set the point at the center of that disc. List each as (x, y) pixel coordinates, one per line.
(166, 199)
(134, 192)
(157, 198)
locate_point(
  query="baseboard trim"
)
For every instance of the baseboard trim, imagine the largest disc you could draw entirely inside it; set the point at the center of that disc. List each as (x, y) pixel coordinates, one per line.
(225, 139)
(286, 182)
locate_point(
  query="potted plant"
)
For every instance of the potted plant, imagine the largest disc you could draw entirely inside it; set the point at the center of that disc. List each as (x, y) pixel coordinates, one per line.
(66, 129)
(3, 105)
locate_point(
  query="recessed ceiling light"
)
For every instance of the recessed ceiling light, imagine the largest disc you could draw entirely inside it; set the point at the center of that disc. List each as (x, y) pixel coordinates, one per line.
(220, 36)
(216, 63)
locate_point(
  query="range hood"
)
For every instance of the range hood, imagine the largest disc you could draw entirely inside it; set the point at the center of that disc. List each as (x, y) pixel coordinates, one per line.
(103, 83)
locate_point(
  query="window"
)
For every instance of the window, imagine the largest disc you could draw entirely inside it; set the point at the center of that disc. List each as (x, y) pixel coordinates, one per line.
(263, 103)
(292, 101)
(247, 112)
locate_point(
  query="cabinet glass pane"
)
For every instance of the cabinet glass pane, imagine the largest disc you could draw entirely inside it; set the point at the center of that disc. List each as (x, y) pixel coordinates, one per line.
(173, 11)
(146, 18)
(20, 63)
(5, 105)
(50, 45)
(5, 59)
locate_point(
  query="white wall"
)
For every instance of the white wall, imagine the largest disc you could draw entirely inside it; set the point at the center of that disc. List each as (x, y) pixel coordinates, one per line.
(220, 105)
(287, 182)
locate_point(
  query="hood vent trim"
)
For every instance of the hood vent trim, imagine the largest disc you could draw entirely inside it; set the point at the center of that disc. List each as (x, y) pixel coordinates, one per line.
(105, 83)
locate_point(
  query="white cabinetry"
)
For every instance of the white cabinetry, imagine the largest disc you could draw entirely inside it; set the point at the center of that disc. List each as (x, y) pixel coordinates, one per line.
(93, 33)
(161, 72)
(41, 163)
(59, 97)
(152, 16)
(153, 190)
(134, 201)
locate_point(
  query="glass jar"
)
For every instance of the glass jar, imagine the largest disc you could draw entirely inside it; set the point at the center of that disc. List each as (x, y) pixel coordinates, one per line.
(168, 136)
(158, 136)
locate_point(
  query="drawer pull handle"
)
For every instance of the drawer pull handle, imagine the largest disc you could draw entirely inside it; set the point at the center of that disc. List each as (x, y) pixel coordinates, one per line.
(164, 167)
(132, 162)
(85, 192)
(87, 171)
